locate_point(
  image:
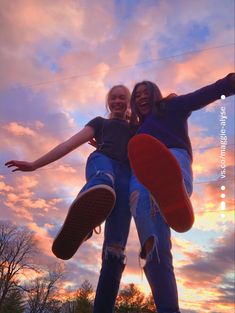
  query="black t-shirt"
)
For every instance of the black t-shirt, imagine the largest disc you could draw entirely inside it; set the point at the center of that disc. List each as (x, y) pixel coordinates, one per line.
(112, 136)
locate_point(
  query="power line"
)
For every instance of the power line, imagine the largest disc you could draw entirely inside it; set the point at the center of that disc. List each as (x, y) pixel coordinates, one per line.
(122, 67)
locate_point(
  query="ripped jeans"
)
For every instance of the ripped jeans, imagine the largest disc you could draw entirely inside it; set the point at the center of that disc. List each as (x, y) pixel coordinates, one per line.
(101, 169)
(158, 268)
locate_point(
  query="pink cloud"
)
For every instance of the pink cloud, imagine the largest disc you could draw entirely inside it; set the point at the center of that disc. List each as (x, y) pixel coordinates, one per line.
(92, 51)
(3, 186)
(198, 139)
(208, 162)
(77, 95)
(19, 130)
(41, 234)
(211, 265)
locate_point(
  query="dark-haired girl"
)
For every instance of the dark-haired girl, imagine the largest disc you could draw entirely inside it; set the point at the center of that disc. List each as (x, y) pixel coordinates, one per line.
(161, 158)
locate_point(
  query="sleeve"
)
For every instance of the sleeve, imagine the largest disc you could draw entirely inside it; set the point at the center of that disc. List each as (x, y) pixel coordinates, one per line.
(202, 97)
(96, 124)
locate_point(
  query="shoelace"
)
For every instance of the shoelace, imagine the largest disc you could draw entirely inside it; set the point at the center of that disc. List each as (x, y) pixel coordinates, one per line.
(97, 231)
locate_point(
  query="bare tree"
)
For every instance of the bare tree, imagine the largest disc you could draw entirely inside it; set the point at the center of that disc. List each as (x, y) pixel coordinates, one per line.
(17, 249)
(42, 290)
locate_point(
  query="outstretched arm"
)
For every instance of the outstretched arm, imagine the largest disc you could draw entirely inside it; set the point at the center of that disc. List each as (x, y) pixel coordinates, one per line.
(204, 96)
(86, 134)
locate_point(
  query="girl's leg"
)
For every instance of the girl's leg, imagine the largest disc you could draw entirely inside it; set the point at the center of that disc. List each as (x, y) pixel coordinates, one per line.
(99, 170)
(159, 269)
(115, 237)
(185, 164)
(158, 170)
(91, 207)
(155, 239)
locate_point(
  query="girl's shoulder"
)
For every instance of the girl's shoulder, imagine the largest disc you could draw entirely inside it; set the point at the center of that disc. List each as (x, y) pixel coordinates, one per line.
(97, 119)
(174, 104)
(96, 122)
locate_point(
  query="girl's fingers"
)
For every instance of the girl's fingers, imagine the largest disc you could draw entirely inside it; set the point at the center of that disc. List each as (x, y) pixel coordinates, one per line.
(10, 165)
(19, 166)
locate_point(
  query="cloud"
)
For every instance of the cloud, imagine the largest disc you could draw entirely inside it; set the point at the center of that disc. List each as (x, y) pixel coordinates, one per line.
(19, 130)
(84, 92)
(3, 186)
(198, 136)
(58, 62)
(44, 240)
(207, 162)
(210, 266)
(204, 276)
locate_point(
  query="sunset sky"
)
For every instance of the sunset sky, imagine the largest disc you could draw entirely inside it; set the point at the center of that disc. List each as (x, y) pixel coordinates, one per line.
(58, 59)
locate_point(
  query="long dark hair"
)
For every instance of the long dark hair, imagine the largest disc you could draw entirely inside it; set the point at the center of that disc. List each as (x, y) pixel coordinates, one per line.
(156, 100)
(155, 96)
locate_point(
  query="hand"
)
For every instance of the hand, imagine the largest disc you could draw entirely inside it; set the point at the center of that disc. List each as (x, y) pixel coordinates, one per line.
(21, 166)
(232, 80)
(93, 143)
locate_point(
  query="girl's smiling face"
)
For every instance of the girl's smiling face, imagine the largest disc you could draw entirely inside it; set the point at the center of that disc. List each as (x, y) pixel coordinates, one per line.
(118, 101)
(142, 100)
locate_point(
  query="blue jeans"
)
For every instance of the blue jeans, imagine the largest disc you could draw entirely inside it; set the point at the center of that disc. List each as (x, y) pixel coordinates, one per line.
(101, 169)
(149, 223)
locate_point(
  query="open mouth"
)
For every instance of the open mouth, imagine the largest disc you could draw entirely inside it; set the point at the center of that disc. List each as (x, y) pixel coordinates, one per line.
(144, 104)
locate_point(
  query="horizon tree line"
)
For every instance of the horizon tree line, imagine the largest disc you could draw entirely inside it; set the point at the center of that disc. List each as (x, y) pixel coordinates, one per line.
(40, 294)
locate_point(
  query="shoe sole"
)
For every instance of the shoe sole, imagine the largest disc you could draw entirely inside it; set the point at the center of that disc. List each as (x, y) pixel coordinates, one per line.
(158, 170)
(89, 210)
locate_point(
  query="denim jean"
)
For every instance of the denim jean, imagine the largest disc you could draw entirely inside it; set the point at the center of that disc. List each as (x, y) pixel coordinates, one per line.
(149, 223)
(101, 169)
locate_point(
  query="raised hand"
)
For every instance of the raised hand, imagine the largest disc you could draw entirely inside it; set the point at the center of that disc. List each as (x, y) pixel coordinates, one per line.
(232, 80)
(20, 166)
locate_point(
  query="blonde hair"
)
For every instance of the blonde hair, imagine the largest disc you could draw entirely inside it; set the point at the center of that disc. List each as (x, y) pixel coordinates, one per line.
(128, 94)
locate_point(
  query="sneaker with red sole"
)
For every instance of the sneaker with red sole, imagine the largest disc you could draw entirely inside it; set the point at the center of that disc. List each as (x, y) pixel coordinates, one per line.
(88, 210)
(158, 170)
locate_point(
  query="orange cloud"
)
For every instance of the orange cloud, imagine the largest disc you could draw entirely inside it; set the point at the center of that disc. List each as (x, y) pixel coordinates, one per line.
(198, 139)
(207, 162)
(19, 130)
(41, 234)
(91, 51)
(77, 95)
(4, 187)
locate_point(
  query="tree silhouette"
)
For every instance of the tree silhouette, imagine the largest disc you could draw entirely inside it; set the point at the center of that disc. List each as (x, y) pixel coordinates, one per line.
(17, 249)
(13, 302)
(130, 300)
(150, 305)
(42, 289)
(84, 298)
